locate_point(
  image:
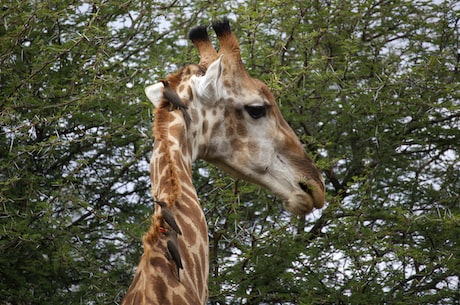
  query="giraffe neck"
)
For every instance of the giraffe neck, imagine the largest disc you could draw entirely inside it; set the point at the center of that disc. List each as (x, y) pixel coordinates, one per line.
(158, 279)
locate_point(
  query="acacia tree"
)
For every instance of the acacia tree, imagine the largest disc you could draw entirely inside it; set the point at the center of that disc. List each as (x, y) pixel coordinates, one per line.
(370, 87)
(373, 89)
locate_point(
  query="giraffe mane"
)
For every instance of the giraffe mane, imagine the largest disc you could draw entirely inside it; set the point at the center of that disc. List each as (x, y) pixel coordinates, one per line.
(160, 134)
(157, 218)
(160, 130)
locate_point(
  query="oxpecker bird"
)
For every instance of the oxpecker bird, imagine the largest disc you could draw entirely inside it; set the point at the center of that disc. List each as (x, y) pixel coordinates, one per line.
(168, 216)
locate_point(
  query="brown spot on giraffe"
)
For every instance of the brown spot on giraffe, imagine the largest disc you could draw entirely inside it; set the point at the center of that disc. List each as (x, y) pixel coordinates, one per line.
(204, 128)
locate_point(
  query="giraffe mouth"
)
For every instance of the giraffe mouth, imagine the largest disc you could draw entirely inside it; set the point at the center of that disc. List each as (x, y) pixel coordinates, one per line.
(306, 188)
(308, 197)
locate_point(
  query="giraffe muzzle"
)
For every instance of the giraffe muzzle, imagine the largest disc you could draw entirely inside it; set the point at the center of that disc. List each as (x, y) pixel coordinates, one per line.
(309, 196)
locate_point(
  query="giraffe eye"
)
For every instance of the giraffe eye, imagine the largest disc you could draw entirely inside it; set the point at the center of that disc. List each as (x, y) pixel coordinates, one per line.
(256, 112)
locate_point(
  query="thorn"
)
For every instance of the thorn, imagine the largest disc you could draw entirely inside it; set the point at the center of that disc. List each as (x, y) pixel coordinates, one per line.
(168, 217)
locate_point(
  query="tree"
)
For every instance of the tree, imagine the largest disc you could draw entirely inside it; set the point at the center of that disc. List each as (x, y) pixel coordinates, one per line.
(371, 88)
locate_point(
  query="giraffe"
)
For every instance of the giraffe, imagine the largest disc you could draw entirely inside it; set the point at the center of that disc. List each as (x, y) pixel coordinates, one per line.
(213, 111)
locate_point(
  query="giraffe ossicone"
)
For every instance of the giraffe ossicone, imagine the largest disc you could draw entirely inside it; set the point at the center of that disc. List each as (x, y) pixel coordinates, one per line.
(214, 111)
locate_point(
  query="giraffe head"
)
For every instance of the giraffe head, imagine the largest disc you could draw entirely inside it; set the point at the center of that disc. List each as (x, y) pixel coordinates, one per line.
(236, 124)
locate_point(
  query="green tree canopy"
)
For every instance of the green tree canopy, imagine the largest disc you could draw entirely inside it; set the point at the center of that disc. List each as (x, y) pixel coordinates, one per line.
(372, 88)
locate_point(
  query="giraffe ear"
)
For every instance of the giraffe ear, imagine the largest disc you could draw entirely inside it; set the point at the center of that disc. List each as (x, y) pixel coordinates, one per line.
(208, 87)
(155, 93)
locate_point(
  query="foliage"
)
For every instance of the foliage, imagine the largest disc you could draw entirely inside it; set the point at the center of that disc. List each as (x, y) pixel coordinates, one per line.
(371, 88)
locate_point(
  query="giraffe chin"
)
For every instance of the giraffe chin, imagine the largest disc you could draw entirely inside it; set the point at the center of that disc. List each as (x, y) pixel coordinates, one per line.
(300, 203)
